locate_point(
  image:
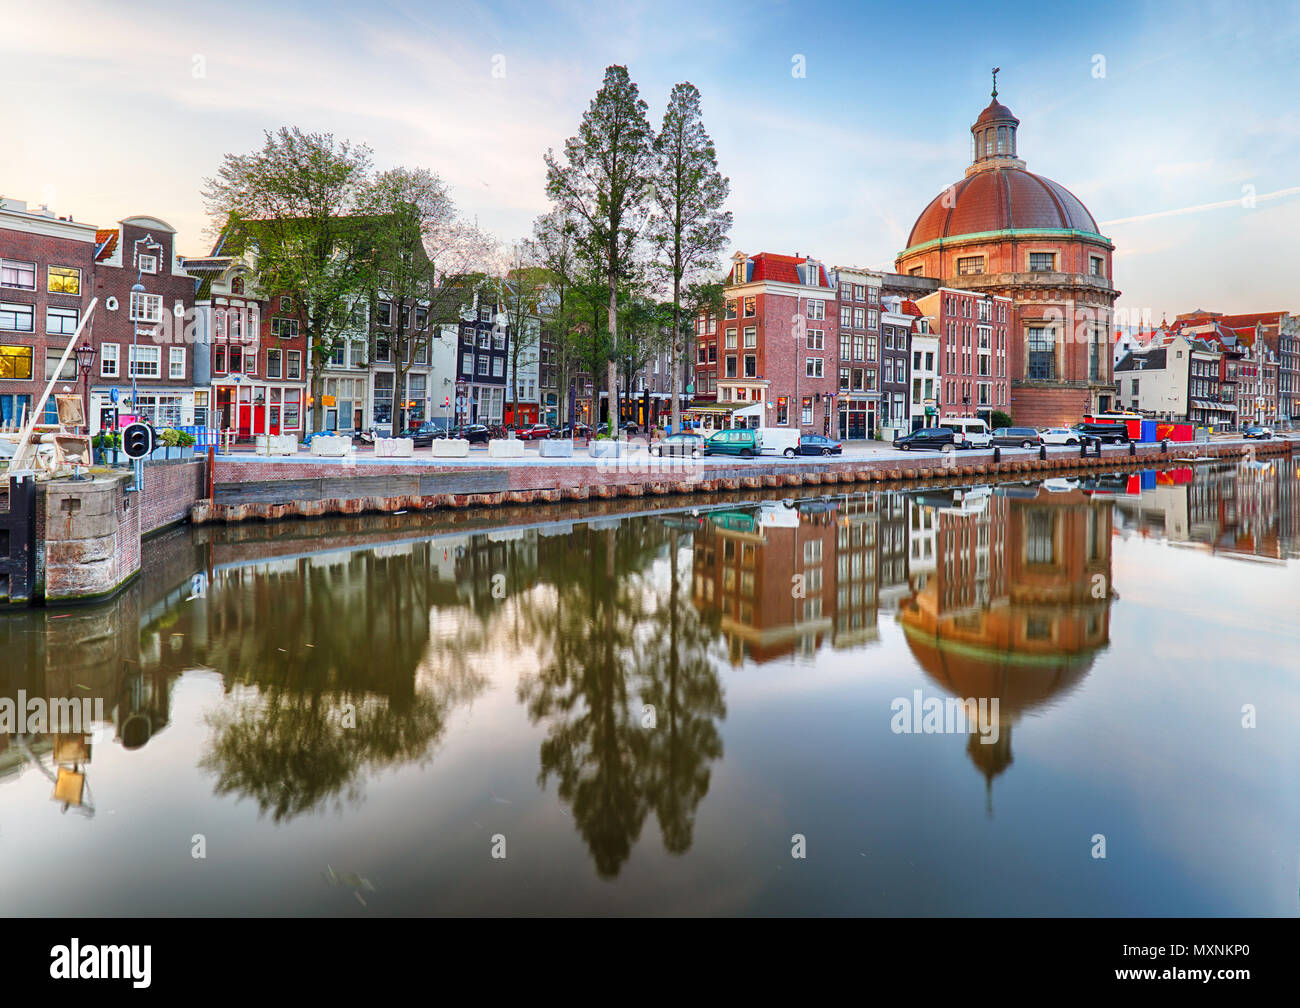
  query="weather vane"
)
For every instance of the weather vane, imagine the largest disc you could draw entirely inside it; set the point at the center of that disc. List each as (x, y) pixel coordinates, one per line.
(995, 81)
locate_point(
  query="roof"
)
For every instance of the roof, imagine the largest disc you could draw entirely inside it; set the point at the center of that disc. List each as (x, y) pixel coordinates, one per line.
(205, 269)
(105, 243)
(782, 268)
(999, 199)
(995, 111)
(1155, 360)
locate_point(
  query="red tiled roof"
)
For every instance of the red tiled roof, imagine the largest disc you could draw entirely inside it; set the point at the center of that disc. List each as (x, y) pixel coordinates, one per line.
(909, 307)
(781, 268)
(105, 243)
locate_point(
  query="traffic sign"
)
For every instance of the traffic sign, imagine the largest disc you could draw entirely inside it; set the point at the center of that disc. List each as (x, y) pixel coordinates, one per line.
(112, 395)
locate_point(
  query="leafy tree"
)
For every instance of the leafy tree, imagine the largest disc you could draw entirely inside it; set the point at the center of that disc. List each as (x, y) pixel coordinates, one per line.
(521, 291)
(290, 204)
(689, 227)
(601, 182)
(555, 249)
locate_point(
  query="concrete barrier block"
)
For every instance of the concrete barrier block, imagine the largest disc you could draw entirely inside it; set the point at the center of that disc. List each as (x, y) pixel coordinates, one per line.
(394, 447)
(451, 448)
(554, 449)
(330, 446)
(505, 448)
(604, 449)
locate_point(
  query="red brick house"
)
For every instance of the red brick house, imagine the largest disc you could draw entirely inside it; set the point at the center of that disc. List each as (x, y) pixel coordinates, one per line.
(46, 270)
(142, 338)
(772, 360)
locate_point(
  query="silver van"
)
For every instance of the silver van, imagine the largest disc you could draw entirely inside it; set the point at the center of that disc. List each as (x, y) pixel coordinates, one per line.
(968, 432)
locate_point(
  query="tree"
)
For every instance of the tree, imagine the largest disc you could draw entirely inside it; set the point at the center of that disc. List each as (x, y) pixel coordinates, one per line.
(555, 248)
(689, 227)
(602, 184)
(425, 265)
(521, 292)
(290, 204)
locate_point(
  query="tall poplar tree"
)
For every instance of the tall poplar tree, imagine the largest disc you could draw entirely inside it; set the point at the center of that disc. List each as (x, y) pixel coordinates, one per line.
(689, 227)
(602, 181)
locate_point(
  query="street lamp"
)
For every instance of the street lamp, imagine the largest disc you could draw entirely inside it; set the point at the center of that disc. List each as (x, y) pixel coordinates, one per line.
(85, 361)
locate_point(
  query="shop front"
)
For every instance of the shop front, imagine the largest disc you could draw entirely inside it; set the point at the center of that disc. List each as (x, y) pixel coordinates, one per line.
(857, 418)
(707, 417)
(250, 408)
(521, 414)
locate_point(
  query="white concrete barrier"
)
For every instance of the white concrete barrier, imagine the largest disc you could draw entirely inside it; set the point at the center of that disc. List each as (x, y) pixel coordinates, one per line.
(402, 447)
(331, 446)
(547, 448)
(603, 449)
(277, 444)
(507, 448)
(450, 448)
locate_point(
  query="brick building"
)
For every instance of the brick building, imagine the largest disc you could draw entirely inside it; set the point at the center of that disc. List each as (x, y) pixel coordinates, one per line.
(973, 366)
(772, 360)
(46, 278)
(859, 351)
(1006, 231)
(899, 316)
(482, 359)
(1280, 332)
(144, 340)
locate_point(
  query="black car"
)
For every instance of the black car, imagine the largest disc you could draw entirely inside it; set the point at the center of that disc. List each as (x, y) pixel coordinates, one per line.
(1106, 433)
(1256, 431)
(815, 444)
(929, 438)
(680, 443)
(423, 435)
(1017, 437)
(569, 431)
(473, 433)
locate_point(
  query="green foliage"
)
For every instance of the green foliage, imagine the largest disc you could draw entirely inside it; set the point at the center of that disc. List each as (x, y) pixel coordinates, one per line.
(1000, 419)
(107, 439)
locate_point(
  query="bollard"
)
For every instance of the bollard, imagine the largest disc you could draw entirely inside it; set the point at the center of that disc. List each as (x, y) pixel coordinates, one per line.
(1164, 447)
(997, 453)
(1083, 448)
(1132, 449)
(1042, 452)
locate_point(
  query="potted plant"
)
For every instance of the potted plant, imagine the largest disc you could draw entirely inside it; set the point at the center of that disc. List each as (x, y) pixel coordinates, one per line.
(103, 443)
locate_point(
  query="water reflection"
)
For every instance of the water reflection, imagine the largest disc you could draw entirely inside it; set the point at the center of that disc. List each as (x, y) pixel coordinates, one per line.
(338, 658)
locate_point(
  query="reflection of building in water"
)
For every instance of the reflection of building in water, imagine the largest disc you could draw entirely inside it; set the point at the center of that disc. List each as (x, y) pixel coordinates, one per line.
(1244, 510)
(1018, 604)
(894, 538)
(858, 525)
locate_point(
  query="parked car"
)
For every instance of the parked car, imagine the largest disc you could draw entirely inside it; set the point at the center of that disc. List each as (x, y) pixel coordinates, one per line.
(1059, 435)
(743, 441)
(1106, 433)
(423, 435)
(533, 432)
(569, 431)
(473, 433)
(928, 438)
(1256, 431)
(815, 444)
(1013, 437)
(969, 432)
(680, 443)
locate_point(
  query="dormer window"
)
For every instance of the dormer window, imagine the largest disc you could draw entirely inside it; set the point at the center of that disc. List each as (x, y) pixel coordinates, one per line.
(148, 263)
(237, 285)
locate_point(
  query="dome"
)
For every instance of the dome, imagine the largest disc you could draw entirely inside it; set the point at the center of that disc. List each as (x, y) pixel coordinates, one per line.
(998, 198)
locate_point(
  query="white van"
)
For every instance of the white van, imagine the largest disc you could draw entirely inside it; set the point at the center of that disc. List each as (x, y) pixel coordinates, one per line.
(779, 441)
(968, 432)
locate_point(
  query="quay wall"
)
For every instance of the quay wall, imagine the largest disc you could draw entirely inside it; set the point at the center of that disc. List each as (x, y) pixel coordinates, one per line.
(253, 491)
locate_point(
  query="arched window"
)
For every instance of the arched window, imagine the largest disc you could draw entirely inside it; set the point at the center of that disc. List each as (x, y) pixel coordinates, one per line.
(1002, 140)
(237, 285)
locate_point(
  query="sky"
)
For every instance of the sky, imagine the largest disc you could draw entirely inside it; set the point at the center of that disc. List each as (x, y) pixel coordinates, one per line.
(1176, 124)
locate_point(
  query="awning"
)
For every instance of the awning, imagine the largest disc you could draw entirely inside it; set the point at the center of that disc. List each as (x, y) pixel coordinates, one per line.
(728, 408)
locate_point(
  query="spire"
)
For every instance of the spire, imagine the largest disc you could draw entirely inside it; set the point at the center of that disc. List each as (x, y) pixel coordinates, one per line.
(995, 82)
(993, 135)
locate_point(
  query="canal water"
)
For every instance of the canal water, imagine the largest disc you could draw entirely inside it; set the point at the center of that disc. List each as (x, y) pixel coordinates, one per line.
(733, 706)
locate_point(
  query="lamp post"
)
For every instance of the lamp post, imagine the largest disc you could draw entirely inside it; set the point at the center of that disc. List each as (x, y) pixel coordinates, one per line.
(85, 360)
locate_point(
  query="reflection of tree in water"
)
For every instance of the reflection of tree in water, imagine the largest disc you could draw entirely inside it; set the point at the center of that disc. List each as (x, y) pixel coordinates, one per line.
(282, 739)
(609, 635)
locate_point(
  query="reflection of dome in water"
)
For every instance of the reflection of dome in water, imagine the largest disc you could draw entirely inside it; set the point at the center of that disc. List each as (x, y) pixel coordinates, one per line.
(135, 731)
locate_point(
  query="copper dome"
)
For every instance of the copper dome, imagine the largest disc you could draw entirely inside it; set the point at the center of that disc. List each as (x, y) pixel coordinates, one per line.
(997, 199)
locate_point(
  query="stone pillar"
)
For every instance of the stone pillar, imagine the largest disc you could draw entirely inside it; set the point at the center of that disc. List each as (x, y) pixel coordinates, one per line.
(92, 537)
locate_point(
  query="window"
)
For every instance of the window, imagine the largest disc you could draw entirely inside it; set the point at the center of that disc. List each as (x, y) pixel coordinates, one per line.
(284, 328)
(292, 419)
(846, 316)
(51, 365)
(859, 318)
(64, 280)
(467, 364)
(176, 362)
(17, 317)
(844, 379)
(816, 309)
(147, 263)
(273, 363)
(1042, 354)
(498, 367)
(61, 321)
(1040, 537)
(730, 344)
(1096, 266)
(914, 271)
(146, 361)
(873, 318)
(729, 371)
(846, 346)
(148, 308)
(108, 360)
(846, 291)
(860, 292)
(1042, 262)
(483, 365)
(970, 265)
(384, 312)
(294, 362)
(731, 309)
(889, 369)
(19, 274)
(751, 337)
(15, 362)
(816, 339)
(751, 366)
(813, 367)
(749, 307)
(499, 339)
(806, 409)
